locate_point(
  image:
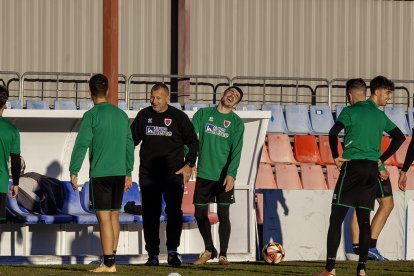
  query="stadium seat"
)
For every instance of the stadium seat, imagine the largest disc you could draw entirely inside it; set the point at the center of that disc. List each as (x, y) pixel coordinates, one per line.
(394, 175)
(194, 106)
(124, 218)
(397, 115)
(287, 177)
(410, 115)
(321, 118)
(332, 174)
(139, 106)
(277, 122)
(187, 205)
(246, 107)
(402, 151)
(325, 150)
(312, 177)
(297, 119)
(18, 213)
(265, 178)
(37, 104)
(72, 206)
(85, 105)
(176, 105)
(386, 141)
(122, 105)
(65, 105)
(306, 149)
(134, 195)
(280, 150)
(15, 104)
(264, 156)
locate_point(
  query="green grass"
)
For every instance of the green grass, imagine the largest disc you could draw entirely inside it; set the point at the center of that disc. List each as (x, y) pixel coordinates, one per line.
(250, 268)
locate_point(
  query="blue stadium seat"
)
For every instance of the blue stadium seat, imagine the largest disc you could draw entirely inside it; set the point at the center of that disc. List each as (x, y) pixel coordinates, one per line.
(297, 119)
(72, 206)
(37, 104)
(194, 106)
(246, 107)
(321, 118)
(139, 106)
(397, 115)
(122, 105)
(134, 195)
(277, 122)
(19, 214)
(124, 218)
(176, 105)
(65, 105)
(85, 105)
(410, 114)
(15, 104)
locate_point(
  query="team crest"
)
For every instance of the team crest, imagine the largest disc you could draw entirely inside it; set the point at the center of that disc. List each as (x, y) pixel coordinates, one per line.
(226, 123)
(167, 122)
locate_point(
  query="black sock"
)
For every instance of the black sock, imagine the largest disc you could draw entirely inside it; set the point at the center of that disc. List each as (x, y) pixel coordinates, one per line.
(373, 243)
(330, 264)
(109, 260)
(224, 228)
(114, 251)
(361, 265)
(204, 226)
(355, 248)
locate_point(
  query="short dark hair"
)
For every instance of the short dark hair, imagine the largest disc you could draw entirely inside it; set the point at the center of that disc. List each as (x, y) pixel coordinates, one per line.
(160, 85)
(355, 84)
(381, 82)
(98, 85)
(4, 95)
(238, 89)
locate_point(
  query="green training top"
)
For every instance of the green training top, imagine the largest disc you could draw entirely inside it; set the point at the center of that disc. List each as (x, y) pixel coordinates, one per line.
(220, 143)
(9, 143)
(106, 133)
(364, 124)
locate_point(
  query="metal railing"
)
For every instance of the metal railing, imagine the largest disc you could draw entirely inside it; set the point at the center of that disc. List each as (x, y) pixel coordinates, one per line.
(274, 89)
(11, 80)
(194, 88)
(54, 84)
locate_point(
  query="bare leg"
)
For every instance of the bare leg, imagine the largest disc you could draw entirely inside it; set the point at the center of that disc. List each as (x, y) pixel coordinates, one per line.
(386, 205)
(115, 228)
(106, 231)
(354, 229)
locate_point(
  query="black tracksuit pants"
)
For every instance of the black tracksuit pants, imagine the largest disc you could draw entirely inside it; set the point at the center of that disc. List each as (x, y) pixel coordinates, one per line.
(152, 190)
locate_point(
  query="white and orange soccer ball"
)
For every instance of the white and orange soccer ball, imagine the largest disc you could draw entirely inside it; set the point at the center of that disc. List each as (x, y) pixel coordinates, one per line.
(273, 253)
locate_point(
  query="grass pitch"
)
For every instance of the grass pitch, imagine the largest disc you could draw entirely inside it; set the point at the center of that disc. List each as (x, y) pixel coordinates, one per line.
(343, 268)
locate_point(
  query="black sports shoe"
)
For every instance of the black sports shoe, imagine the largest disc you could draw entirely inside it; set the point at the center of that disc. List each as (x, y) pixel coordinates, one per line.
(174, 259)
(152, 261)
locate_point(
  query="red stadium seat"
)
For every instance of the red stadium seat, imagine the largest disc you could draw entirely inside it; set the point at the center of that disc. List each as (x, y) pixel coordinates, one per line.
(280, 150)
(287, 177)
(306, 149)
(187, 205)
(325, 150)
(265, 178)
(386, 141)
(312, 177)
(264, 157)
(332, 174)
(402, 151)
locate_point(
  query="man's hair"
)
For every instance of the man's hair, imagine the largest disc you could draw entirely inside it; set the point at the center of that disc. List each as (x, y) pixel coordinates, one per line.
(4, 95)
(355, 84)
(381, 82)
(98, 85)
(160, 85)
(237, 89)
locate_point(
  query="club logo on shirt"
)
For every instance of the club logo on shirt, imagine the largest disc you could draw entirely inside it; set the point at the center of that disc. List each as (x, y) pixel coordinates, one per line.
(158, 131)
(215, 130)
(167, 121)
(226, 123)
(210, 119)
(149, 121)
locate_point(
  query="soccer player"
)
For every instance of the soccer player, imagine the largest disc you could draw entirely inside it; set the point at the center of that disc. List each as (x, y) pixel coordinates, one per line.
(163, 130)
(381, 91)
(105, 131)
(356, 188)
(220, 133)
(409, 158)
(9, 149)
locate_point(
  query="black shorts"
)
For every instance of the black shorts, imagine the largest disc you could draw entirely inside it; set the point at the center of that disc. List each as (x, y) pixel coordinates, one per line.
(209, 191)
(384, 188)
(105, 193)
(357, 184)
(3, 198)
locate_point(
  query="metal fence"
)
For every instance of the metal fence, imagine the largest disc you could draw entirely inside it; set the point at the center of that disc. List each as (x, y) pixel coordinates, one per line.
(11, 80)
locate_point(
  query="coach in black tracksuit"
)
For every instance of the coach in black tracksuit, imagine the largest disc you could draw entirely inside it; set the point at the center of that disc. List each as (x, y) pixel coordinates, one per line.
(163, 131)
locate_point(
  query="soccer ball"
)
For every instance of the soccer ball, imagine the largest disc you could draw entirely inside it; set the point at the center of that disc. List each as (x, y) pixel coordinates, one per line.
(273, 253)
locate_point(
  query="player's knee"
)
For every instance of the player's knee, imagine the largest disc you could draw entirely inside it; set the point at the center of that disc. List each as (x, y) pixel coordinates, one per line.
(201, 213)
